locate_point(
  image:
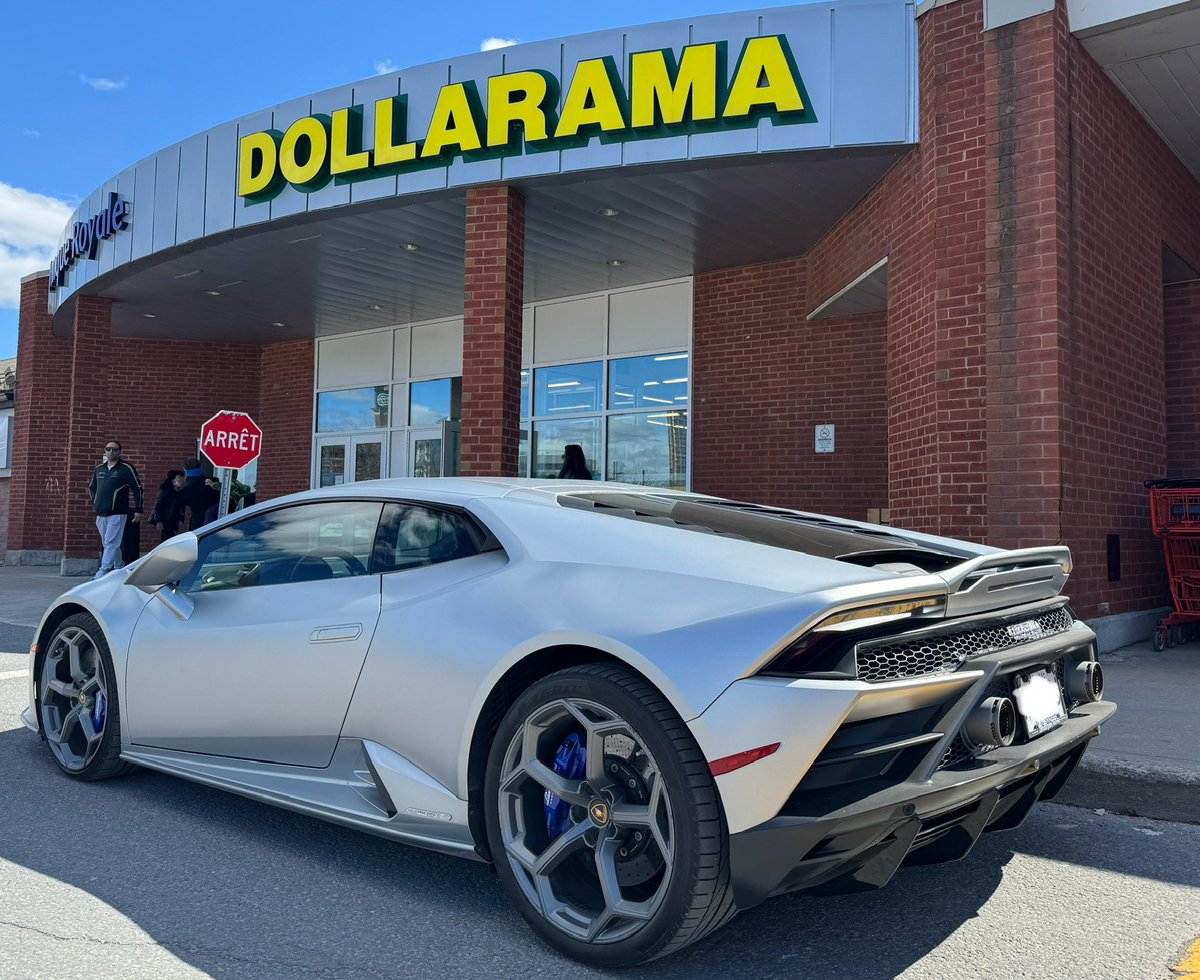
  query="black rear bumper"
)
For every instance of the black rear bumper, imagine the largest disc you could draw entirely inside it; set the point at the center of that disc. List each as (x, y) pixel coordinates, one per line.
(860, 847)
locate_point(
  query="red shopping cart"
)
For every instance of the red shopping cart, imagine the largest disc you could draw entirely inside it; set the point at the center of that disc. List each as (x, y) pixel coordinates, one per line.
(1175, 516)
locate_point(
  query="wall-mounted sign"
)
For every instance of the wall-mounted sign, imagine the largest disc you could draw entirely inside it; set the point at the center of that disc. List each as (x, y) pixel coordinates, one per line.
(87, 235)
(824, 438)
(521, 109)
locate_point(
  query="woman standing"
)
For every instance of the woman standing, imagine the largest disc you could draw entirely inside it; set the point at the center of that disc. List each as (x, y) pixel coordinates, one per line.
(574, 465)
(166, 508)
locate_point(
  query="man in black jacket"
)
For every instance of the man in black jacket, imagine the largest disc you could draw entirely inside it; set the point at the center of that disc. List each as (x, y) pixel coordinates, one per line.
(195, 495)
(113, 483)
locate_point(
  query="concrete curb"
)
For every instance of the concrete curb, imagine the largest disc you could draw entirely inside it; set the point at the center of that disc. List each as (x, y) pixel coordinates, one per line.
(1158, 792)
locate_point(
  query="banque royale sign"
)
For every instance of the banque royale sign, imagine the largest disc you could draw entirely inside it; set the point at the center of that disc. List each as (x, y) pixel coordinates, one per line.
(665, 95)
(86, 237)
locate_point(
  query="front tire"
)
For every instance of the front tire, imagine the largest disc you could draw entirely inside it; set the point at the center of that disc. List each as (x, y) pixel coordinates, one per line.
(604, 820)
(78, 703)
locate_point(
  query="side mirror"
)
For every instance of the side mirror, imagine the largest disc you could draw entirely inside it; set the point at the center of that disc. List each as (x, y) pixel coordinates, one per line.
(167, 563)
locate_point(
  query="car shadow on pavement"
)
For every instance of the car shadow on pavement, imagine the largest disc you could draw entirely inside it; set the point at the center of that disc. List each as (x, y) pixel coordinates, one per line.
(236, 888)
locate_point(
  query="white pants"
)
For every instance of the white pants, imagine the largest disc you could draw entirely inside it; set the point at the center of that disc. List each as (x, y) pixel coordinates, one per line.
(111, 529)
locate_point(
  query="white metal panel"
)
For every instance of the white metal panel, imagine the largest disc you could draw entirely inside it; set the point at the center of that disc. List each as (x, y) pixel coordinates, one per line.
(527, 336)
(570, 330)
(400, 357)
(355, 359)
(650, 319)
(437, 349)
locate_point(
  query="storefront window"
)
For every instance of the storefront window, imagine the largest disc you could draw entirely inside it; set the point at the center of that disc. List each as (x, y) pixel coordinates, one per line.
(353, 409)
(568, 389)
(551, 438)
(432, 402)
(648, 382)
(648, 448)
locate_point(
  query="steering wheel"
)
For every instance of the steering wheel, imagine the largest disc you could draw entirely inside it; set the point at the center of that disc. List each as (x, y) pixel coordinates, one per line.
(320, 554)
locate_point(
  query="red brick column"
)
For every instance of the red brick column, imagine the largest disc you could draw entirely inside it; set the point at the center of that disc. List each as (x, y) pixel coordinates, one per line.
(285, 413)
(43, 407)
(1181, 313)
(94, 359)
(493, 291)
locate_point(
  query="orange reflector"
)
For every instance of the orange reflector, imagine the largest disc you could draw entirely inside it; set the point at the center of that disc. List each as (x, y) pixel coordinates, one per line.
(731, 762)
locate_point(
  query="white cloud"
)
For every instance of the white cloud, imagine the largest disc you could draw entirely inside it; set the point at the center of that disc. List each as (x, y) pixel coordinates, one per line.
(30, 227)
(30, 132)
(385, 67)
(103, 84)
(492, 43)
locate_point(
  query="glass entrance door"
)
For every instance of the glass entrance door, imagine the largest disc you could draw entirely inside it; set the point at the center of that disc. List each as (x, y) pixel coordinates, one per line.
(349, 459)
(425, 451)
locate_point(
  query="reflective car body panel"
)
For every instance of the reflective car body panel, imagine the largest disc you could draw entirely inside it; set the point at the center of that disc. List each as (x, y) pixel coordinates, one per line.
(364, 696)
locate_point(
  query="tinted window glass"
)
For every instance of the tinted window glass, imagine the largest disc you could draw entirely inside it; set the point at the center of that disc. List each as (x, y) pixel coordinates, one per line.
(654, 381)
(411, 536)
(568, 389)
(551, 438)
(353, 409)
(293, 544)
(649, 449)
(435, 401)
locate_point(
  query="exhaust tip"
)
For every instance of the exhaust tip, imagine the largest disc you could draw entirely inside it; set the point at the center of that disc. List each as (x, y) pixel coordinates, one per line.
(992, 724)
(1086, 681)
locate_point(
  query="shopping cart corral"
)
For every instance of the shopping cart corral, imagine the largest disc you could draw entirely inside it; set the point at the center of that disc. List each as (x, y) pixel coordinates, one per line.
(1175, 515)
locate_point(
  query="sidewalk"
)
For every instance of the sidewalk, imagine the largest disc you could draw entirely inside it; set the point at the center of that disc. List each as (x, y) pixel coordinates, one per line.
(1146, 761)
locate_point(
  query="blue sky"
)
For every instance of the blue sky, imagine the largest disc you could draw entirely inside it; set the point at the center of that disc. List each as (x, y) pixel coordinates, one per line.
(86, 89)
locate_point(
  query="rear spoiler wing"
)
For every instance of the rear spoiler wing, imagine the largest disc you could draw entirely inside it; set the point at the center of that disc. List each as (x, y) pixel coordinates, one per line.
(1007, 578)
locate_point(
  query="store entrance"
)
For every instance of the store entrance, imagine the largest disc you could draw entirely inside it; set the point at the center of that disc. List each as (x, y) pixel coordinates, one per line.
(349, 459)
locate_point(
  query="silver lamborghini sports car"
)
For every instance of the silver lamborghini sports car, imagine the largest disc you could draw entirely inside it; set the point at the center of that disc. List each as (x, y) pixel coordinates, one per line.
(648, 709)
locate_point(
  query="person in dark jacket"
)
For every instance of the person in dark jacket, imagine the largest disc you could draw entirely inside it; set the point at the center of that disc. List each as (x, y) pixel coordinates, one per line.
(113, 485)
(574, 466)
(194, 496)
(165, 515)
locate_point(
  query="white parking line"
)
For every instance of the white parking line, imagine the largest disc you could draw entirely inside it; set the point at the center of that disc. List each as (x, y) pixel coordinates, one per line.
(8, 675)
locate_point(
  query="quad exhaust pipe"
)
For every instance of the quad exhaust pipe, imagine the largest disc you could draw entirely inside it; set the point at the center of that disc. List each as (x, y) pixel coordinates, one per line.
(1085, 681)
(992, 723)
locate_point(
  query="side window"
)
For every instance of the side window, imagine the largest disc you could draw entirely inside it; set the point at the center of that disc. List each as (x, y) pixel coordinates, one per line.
(411, 536)
(304, 543)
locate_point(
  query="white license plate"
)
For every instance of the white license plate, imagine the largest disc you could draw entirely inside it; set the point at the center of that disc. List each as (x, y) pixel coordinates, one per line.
(1040, 702)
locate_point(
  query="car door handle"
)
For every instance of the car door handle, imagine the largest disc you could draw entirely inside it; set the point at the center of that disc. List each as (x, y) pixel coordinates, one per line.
(332, 634)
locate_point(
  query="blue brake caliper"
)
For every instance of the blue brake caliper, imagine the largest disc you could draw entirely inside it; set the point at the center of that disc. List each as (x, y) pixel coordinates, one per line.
(569, 762)
(99, 712)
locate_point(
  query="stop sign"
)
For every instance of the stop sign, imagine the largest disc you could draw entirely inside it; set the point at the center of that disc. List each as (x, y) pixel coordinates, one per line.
(231, 440)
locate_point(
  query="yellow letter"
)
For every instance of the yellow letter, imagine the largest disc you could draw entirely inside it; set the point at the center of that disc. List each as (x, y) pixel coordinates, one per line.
(304, 169)
(347, 128)
(763, 58)
(591, 100)
(387, 151)
(652, 90)
(453, 123)
(258, 161)
(528, 108)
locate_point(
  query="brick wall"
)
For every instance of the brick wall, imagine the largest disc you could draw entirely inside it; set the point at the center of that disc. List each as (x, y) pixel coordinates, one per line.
(5, 493)
(150, 395)
(763, 377)
(1126, 195)
(1181, 308)
(492, 297)
(43, 400)
(285, 414)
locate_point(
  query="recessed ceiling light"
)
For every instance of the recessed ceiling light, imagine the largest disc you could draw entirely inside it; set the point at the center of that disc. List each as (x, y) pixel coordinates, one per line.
(307, 238)
(375, 306)
(213, 292)
(410, 247)
(232, 282)
(184, 275)
(608, 212)
(615, 263)
(150, 316)
(278, 323)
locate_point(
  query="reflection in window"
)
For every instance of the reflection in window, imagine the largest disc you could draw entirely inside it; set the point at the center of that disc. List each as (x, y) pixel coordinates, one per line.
(568, 389)
(412, 536)
(551, 438)
(648, 382)
(292, 544)
(433, 402)
(353, 409)
(649, 449)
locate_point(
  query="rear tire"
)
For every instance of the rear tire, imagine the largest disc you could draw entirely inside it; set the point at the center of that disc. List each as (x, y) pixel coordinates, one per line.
(77, 701)
(647, 873)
